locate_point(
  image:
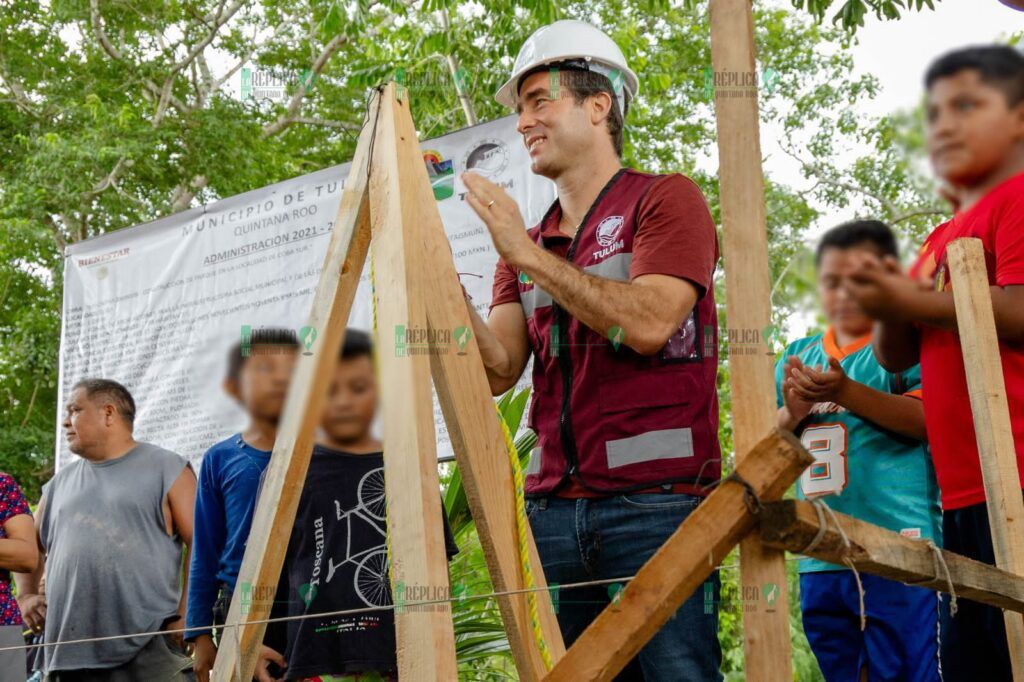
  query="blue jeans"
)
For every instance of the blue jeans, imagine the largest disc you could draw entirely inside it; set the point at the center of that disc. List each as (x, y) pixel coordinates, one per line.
(604, 538)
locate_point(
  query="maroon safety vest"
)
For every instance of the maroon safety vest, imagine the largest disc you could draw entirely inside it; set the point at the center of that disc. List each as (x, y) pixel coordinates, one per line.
(612, 419)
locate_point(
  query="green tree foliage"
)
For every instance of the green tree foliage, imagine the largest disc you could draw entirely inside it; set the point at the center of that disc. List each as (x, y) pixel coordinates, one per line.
(850, 13)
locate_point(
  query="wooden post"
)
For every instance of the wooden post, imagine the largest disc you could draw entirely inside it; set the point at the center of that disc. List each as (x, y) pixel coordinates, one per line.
(479, 445)
(426, 639)
(745, 250)
(985, 384)
(793, 525)
(286, 473)
(681, 564)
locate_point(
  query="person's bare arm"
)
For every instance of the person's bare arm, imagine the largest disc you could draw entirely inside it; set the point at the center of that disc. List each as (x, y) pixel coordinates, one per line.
(898, 413)
(896, 345)
(181, 499)
(648, 309)
(31, 603)
(937, 309)
(887, 295)
(503, 342)
(901, 414)
(19, 551)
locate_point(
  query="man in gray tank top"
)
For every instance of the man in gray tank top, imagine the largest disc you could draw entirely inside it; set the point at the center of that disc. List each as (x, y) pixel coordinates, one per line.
(114, 528)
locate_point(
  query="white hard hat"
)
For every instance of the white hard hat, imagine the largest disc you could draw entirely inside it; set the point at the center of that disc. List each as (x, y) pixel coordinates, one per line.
(570, 40)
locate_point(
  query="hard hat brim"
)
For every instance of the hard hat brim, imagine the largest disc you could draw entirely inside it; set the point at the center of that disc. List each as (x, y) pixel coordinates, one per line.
(508, 94)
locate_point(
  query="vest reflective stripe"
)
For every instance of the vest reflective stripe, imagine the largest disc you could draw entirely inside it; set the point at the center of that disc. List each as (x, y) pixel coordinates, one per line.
(650, 446)
(614, 267)
(533, 466)
(533, 299)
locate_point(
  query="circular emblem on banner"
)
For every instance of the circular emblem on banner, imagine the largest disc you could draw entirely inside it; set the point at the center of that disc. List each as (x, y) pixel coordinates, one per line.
(487, 157)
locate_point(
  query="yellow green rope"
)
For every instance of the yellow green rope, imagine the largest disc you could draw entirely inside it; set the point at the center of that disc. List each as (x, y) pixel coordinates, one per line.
(524, 545)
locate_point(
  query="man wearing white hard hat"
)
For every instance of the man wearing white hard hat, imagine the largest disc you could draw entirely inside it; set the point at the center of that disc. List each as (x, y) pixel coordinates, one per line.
(612, 294)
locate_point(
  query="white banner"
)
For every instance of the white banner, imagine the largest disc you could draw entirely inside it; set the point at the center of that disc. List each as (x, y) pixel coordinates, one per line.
(158, 306)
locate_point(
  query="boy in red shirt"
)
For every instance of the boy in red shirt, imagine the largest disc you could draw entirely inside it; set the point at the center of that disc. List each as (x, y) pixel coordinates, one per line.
(975, 120)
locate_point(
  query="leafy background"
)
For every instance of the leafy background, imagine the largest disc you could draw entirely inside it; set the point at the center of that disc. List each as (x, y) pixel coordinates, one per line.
(116, 113)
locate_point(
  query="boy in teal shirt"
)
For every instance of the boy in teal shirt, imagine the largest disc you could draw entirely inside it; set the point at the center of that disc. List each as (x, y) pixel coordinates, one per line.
(865, 428)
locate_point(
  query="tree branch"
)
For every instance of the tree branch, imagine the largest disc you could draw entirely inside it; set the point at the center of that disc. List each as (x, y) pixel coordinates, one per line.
(31, 404)
(107, 182)
(820, 177)
(161, 93)
(453, 67)
(21, 98)
(341, 125)
(183, 194)
(216, 85)
(914, 214)
(335, 43)
(222, 17)
(58, 234)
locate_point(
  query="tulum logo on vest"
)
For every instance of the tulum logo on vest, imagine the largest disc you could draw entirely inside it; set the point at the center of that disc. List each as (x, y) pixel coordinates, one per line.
(488, 158)
(607, 233)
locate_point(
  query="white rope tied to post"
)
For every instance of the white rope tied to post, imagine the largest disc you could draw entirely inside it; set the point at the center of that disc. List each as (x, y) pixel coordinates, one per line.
(940, 562)
(822, 509)
(822, 528)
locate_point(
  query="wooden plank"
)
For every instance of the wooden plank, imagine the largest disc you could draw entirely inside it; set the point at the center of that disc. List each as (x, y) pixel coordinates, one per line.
(479, 445)
(793, 524)
(681, 564)
(286, 473)
(473, 426)
(987, 390)
(745, 250)
(425, 635)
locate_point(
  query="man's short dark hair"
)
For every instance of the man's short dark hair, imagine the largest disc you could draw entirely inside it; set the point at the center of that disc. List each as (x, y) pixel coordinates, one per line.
(1000, 66)
(858, 233)
(357, 343)
(583, 83)
(261, 340)
(119, 396)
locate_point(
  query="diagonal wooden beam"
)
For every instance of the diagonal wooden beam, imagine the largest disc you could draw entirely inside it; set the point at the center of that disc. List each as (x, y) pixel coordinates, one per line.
(745, 250)
(425, 636)
(987, 390)
(681, 565)
(479, 445)
(794, 524)
(286, 473)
